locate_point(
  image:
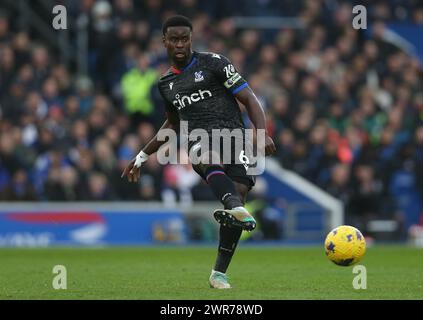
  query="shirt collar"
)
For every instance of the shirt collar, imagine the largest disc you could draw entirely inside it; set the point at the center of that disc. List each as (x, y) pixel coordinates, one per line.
(189, 65)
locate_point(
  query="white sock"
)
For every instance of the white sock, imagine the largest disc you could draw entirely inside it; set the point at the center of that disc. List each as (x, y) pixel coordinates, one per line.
(214, 271)
(240, 208)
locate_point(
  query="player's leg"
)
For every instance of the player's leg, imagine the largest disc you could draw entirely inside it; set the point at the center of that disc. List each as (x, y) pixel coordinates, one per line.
(229, 236)
(223, 187)
(232, 195)
(228, 240)
(210, 168)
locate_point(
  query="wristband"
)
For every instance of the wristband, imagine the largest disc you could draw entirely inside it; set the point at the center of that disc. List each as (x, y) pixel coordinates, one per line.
(140, 158)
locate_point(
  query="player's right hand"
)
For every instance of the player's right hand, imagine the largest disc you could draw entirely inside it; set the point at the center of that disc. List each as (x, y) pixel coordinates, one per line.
(132, 172)
(133, 169)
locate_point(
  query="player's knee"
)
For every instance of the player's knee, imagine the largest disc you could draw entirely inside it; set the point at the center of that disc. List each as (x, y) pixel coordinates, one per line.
(207, 168)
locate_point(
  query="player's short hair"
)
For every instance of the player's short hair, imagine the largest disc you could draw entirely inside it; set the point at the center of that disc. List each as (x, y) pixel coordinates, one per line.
(176, 21)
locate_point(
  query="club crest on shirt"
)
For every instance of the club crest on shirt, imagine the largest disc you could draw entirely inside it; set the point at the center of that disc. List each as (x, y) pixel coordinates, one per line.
(171, 85)
(198, 76)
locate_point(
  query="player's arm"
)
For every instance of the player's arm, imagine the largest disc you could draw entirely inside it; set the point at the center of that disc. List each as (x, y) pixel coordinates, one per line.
(257, 116)
(133, 169)
(172, 122)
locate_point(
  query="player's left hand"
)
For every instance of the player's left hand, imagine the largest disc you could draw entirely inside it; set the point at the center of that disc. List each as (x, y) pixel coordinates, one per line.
(269, 146)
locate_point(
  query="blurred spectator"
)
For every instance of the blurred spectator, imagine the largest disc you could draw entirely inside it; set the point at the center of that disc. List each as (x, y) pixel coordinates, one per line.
(19, 189)
(179, 180)
(98, 188)
(136, 87)
(366, 198)
(4, 27)
(339, 184)
(101, 42)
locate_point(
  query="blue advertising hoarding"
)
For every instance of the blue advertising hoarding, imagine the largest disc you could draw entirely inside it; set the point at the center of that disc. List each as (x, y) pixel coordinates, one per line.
(90, 227)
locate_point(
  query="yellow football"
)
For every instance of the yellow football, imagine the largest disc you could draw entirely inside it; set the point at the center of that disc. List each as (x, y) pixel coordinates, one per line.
(345, 246)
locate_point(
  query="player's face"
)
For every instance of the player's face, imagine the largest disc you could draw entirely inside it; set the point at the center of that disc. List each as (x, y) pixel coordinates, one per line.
(178, 43)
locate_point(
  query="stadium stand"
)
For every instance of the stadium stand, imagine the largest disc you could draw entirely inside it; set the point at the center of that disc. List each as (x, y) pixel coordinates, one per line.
(344, 106)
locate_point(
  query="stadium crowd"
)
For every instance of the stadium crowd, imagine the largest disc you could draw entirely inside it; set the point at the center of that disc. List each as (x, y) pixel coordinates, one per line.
(344, 106)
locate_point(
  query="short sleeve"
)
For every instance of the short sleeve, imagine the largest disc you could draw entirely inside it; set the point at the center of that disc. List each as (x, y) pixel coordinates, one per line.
(226, 73)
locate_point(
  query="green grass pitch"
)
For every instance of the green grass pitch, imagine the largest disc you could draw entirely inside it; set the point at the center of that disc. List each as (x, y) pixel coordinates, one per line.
(182, 273)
